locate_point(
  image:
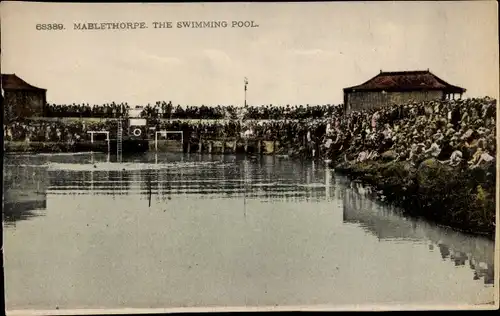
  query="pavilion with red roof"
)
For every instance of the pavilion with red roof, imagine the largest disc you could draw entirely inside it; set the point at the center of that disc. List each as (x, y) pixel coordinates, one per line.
(399, 87)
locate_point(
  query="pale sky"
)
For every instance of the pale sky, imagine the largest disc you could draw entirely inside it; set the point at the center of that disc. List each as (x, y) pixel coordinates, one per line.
(300, 53)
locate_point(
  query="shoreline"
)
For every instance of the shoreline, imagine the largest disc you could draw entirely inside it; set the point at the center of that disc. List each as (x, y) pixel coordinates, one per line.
(13, 147)
(210, 146)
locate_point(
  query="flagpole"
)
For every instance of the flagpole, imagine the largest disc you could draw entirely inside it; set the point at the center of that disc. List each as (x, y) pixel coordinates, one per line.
(246, 83)
(241, 111)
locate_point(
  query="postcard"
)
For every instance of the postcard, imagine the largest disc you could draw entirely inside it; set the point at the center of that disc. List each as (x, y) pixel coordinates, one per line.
(180, 157)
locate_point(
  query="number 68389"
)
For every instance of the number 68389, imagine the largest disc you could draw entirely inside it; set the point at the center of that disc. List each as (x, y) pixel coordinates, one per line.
(50, 27)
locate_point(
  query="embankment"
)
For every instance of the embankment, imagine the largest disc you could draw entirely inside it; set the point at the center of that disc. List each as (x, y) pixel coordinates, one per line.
(457, 197)
(206, 146)
(39, 147)
(65, 147)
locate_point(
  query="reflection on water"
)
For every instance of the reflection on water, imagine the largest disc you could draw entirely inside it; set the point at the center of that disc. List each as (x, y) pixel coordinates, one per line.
(24, 192)
(227, 177)
(200, 230)
(386, 223)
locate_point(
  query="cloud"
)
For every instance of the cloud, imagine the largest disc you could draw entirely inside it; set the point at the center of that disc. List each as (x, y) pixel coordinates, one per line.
(308, 52)
(316, 52)
(163, 59)
(216, 56)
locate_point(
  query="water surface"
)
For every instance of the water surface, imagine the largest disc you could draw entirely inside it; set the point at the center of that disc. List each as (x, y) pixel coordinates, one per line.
(174, 230)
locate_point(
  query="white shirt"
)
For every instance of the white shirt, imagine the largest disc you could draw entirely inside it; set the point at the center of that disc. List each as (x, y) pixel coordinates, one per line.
(362, 156)
(328, 143)
(387, 133)
(434, 150)
(487, 157)
(456, 156)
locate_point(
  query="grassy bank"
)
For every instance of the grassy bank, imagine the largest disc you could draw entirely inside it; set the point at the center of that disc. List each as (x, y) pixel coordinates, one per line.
(458, 197)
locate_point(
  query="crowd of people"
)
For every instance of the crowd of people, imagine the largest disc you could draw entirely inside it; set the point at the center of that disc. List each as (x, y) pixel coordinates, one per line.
(166, 110)
(55, 131)
(452, 131)
(108, 110)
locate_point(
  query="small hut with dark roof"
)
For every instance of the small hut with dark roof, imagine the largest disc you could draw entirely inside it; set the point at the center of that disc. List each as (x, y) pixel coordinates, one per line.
(20, 99)
(399, 87)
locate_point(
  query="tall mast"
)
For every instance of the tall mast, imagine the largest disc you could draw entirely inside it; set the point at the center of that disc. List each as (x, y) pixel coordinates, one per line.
(246, 84)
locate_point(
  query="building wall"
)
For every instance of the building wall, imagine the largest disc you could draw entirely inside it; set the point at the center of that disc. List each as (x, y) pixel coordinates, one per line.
(365, 100)
(22, 103)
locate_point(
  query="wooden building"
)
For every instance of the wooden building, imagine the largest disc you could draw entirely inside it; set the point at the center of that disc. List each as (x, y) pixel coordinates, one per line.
(20, 99)
(388, 88)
